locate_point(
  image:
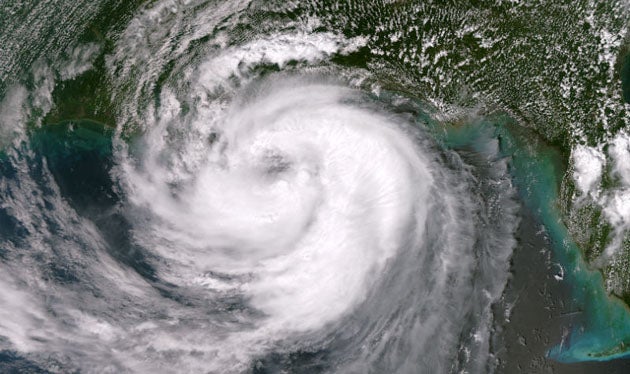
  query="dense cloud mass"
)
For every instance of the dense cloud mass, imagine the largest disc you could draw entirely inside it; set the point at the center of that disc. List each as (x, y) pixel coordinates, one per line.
(268, 191)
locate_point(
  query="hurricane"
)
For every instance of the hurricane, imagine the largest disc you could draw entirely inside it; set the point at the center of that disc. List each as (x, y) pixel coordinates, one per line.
(233, 187)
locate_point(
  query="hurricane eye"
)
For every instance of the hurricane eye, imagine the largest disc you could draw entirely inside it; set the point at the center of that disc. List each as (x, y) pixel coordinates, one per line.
(314, 186)
(275, 163)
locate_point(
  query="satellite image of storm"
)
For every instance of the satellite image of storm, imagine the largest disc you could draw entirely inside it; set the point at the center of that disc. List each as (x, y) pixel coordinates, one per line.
(314, 186)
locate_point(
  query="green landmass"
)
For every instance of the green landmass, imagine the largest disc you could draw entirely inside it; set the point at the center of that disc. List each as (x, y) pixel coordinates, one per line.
(561, 68)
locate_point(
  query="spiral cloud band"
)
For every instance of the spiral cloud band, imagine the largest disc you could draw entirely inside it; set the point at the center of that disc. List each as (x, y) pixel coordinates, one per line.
(306, 202)
(256, 221)
(307, 195)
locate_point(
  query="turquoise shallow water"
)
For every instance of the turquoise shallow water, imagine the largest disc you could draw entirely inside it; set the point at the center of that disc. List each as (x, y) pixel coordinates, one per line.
(79, 152)
(82, 150)
(139, 57)
(603, 332)
(79, 155)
